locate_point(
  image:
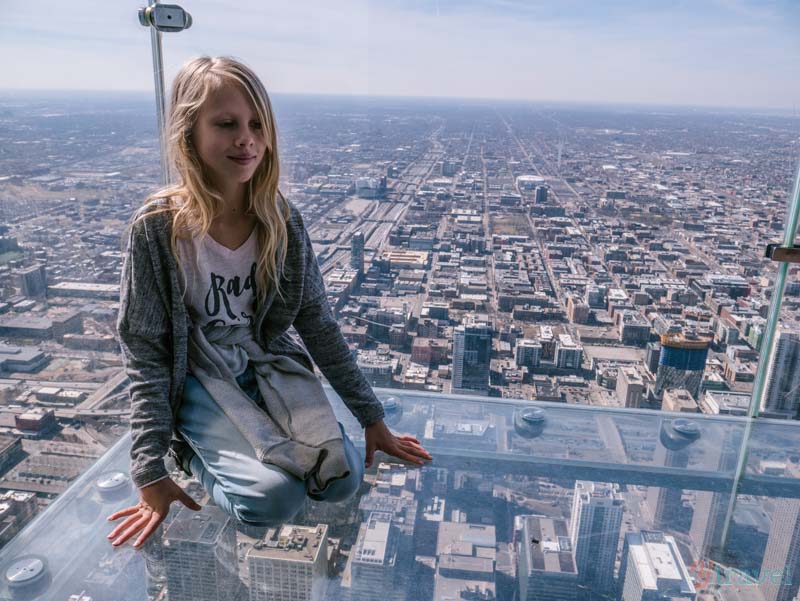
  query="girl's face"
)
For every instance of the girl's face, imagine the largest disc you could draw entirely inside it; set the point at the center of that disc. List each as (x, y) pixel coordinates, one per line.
(229, 137)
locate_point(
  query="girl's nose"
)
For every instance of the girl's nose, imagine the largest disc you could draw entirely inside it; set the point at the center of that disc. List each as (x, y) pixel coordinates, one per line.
(245, 138)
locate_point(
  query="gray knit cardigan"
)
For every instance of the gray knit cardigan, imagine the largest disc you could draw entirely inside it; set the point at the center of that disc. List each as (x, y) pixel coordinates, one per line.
(153, 327)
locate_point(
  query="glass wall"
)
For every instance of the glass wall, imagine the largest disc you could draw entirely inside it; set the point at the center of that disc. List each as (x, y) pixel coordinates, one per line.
(78, 141)
(542, 231)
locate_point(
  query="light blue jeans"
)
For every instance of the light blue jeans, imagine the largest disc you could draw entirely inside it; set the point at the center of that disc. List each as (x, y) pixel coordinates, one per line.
(251, 491)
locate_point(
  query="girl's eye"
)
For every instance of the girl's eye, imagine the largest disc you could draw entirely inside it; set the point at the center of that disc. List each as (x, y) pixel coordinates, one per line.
(226, 124)
(257, 124)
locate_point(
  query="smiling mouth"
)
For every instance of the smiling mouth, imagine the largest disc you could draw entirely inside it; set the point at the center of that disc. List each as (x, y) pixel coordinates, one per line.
(243, 160)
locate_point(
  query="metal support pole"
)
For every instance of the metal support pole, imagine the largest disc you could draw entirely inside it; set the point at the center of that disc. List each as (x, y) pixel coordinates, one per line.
(767, 354)
(161, 106)
(162, 18)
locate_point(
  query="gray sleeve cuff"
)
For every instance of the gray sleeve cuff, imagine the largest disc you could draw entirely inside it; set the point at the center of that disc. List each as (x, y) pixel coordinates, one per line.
(149, 475)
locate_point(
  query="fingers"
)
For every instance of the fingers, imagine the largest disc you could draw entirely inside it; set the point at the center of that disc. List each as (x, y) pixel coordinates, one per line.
(370, 454)
(403, 447)
(189, 502)
(411, 452)
(417, 450)
(143, 519)
(155, 520)
(123, 526)
(123, 512)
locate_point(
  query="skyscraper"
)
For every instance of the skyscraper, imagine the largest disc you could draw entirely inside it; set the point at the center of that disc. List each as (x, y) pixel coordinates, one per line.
(594, 530)
(529, 353)
(374, 560)
(200, 556)
(472, 351)
(569, 353)
(547, 570)
(357, 252)
(32, 281)
(778, 580)
(682, 362)
(289, 564)
(630, 386)
(465, 562)
(652, 569)
(783, 380)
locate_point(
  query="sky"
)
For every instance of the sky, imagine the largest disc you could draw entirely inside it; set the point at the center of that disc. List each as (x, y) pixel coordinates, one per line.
(718, 53)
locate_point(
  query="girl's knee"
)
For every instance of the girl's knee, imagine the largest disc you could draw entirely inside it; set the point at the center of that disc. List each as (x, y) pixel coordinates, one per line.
(342, 490)
(272, 507)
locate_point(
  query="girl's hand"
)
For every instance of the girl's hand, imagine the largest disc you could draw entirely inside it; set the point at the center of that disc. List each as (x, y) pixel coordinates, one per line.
(379, 437)
(153, 506)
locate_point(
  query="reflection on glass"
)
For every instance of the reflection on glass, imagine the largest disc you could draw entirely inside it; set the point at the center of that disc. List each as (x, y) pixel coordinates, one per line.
(499, 512)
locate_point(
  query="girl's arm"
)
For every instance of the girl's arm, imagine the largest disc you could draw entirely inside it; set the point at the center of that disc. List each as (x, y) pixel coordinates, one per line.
(145, 340)
(323, 338)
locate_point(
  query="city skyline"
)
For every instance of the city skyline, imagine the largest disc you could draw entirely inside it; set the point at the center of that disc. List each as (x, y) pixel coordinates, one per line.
(568, 263)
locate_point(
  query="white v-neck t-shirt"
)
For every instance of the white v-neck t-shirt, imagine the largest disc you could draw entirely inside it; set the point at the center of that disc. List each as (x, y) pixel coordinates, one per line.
(220, 288)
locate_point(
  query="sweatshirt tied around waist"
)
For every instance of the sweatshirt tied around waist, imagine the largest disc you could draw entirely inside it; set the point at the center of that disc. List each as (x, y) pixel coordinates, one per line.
(296, 430)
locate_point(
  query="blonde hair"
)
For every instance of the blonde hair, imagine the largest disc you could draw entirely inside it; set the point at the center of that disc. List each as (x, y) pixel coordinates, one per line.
(194, 83)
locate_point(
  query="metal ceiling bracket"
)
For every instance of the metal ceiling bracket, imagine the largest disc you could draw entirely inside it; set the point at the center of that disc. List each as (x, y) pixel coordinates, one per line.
(783, 254)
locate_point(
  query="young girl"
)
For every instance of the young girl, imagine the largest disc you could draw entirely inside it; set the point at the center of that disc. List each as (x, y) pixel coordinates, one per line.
(218, 268)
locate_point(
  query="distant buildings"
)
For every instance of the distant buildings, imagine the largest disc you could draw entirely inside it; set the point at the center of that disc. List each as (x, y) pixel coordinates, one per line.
(472, 349)
(630, 386)
(528, 353)
(17, 508)
(32, 281)
(405, 259)
(377, 366)
(357, 251)
(85, 290)
(26, 359)
(578, 311)
(529, 183)
(634, 329)
(36, 423)
(427, 351)
(679, 400)
(45, 328)
(726, 402)
(569, 354)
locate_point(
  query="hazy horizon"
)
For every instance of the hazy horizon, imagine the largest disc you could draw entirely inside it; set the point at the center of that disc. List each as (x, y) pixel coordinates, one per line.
(148, 95)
